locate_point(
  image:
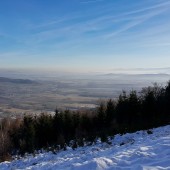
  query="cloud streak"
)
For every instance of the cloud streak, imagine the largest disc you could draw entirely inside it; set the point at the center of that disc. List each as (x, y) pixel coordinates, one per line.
(91, 1)
(96, 30)
(97, 24)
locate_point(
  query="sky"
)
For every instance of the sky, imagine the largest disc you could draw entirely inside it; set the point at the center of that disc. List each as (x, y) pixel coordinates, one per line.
(85, 35)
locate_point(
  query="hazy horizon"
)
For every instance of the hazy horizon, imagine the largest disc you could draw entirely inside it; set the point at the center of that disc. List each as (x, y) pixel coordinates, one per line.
(130, 71)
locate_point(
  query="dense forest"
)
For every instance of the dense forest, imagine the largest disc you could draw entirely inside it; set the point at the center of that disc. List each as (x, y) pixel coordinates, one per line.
(132, 111)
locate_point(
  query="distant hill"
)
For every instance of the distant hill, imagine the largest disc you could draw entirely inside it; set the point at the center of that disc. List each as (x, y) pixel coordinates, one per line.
(17, 81)
(138, 75)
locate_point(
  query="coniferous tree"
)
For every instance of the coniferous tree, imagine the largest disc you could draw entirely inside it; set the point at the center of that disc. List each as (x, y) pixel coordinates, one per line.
(133, 111)
(110, 111)
(167, 103)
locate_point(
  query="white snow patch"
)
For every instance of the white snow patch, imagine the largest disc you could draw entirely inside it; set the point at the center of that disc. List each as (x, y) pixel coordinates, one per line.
(138, 151)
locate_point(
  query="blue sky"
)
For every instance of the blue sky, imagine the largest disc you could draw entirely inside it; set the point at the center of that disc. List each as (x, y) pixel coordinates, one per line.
(85, 35)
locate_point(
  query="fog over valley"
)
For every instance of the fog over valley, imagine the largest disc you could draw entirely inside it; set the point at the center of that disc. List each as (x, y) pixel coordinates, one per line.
(35, 92)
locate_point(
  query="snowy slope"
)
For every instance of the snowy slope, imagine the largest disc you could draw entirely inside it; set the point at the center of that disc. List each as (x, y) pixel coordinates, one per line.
(131, 151)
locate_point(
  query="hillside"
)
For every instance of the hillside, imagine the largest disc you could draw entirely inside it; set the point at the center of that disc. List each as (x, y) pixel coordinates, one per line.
(140, 150)
(17, 81)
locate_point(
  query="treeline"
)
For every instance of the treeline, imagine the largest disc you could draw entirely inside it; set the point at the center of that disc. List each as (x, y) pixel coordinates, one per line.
(130, 112)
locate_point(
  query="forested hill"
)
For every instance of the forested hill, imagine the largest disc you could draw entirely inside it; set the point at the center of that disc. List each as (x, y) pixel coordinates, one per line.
(18, 81)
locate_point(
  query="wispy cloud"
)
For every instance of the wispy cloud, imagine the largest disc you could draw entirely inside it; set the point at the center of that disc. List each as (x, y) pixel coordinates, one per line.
(140, 18)
(91, 1)
(97, 26)
(60, 28)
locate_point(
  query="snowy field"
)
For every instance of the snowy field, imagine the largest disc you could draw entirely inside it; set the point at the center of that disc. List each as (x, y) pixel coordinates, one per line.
(136, 151)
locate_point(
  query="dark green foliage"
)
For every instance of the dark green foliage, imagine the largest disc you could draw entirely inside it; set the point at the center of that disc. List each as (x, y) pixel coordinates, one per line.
(101, 116)
(167, 103)
(110, 112)
(27, 135)
(44, 130)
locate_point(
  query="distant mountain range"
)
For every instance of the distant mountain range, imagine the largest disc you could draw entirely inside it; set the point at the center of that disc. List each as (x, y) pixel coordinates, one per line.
(140, 75)
(17, 81)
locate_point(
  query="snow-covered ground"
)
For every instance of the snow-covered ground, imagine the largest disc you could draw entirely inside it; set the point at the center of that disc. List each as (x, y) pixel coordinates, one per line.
(134, 151)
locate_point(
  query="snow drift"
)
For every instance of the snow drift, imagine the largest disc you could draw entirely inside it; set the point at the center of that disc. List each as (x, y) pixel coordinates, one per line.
(138, 151)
